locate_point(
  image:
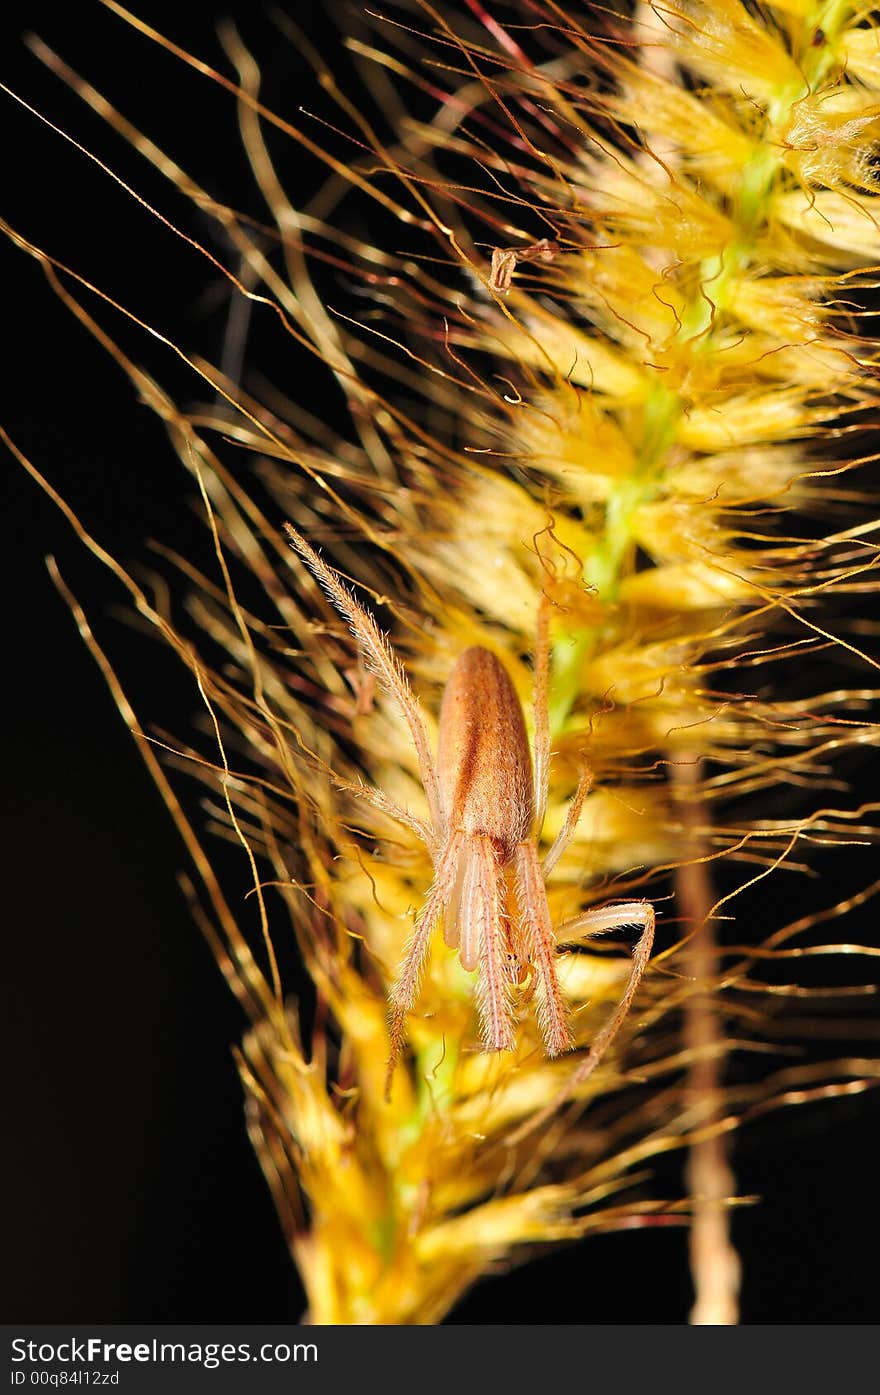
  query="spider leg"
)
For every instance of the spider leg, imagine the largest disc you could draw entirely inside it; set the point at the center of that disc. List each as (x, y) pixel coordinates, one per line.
(380, 658)
(542, 747)
(483, 934)
(599, 922)
(403, 993)
(361, 790)
(566, 833)
(519, 950)
(542, 714)
(540, 945)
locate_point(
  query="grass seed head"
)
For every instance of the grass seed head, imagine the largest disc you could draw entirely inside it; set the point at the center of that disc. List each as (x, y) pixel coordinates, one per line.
(621, 370)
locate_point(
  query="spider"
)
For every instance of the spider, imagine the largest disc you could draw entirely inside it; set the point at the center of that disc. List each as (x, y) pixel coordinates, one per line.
(486, 813)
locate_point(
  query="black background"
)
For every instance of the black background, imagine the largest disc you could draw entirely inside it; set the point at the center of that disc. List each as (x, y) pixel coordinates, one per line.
(131, 1189)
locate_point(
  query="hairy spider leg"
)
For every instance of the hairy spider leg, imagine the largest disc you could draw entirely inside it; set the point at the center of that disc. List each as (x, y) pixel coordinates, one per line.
(541, 715)
(482, 934)
(601, 921)
(406, 985)
(381, 661)
(540, 947)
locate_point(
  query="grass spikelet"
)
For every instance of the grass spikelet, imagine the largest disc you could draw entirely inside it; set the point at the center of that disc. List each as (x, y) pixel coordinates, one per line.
(601, 397)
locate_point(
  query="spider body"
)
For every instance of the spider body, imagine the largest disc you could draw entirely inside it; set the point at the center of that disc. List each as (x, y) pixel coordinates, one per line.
(486, 810)
(487, 802)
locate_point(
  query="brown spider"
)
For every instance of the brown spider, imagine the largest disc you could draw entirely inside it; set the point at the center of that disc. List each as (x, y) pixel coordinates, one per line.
(485, 822)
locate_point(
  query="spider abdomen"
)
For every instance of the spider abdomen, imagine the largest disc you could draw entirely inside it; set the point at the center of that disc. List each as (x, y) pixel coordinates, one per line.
(484, 765)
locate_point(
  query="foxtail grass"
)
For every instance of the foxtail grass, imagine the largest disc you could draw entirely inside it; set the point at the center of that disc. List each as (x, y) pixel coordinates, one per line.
(613, 367)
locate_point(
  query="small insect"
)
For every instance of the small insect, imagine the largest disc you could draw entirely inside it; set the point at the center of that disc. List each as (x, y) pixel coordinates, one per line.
(505, 259)
(486, 814)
